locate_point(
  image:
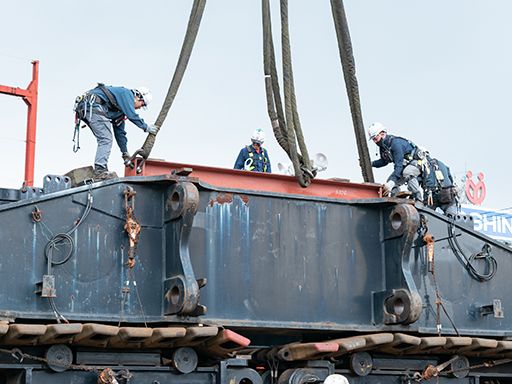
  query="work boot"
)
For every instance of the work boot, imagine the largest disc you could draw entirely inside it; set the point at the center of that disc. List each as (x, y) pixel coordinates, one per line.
(101, 174)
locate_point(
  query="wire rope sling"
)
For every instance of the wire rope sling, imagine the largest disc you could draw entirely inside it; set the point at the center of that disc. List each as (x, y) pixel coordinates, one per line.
(141, 155)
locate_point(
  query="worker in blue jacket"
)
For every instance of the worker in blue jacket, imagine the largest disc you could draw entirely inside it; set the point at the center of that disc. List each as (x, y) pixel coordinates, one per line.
(104, 109)
(403, 154)
(254, 157)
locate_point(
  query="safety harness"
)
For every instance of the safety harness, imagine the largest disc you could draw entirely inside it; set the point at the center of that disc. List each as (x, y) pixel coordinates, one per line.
(249, 163)
(83, 111)
(433, 172)
(416, 154)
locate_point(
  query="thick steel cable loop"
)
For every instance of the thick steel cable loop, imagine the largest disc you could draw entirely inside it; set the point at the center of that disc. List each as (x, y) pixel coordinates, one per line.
(349, 74)
(288, 90)
(196, 15)
(277, 121)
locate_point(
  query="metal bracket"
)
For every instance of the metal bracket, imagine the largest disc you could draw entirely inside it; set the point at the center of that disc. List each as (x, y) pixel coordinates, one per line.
(401, 302)
(46, 288)
(181, 288)
(236, 371)
(494, 309)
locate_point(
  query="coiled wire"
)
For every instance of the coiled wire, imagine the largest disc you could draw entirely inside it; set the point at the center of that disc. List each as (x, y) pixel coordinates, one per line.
(491, 265)
(61, 238)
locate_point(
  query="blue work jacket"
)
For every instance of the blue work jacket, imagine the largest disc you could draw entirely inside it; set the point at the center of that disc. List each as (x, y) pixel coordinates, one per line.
(394, 149)
(125, 100)
(250, 160)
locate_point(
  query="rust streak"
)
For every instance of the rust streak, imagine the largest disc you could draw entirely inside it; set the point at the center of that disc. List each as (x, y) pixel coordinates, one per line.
(245, 199)
(222, 198)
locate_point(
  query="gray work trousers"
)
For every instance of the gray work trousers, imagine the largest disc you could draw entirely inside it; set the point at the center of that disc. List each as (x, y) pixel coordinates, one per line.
(101, 127)
(410, 175)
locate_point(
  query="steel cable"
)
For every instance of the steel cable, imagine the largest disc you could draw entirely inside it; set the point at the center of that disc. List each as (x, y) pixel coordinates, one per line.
(194, 22)
(303, 171)
(273, 93)
(349, 73)
(284, 120)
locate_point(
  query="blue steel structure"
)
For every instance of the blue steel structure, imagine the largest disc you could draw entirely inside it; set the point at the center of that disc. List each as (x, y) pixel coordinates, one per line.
(276, 268)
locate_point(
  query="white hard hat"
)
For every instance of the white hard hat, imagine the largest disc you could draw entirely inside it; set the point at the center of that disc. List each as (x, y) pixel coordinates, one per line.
(375, 128)
(258, 136)
(144, 93)
(336, 379)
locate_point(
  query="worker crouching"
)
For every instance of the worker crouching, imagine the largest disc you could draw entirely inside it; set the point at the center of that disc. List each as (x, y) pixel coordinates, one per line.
(104, 109)
(405, 156)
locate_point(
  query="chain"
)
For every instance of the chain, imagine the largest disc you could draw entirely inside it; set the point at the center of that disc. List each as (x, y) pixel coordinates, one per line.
(431, 371)
(429, 241)
(132, 227)
(485, 364)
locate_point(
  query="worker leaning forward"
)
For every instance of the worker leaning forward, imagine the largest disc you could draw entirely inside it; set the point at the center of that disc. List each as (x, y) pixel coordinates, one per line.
(254, 157)
(104, 109)
(405, 156)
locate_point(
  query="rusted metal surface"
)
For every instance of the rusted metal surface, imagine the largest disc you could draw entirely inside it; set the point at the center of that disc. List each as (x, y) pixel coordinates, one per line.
(222, 198)
(225, 344)
(307, 351)
(249, 252)
(264, 182)
(131, 226)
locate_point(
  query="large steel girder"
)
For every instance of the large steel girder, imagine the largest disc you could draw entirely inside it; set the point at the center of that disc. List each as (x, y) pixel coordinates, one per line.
(95, 283)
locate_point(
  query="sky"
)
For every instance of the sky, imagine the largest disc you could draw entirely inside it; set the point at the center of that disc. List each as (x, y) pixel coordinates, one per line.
(436, 72)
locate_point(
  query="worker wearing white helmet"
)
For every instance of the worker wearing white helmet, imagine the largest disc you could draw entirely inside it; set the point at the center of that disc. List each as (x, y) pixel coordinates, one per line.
(254, 157)
(403, 154)
(104, 109)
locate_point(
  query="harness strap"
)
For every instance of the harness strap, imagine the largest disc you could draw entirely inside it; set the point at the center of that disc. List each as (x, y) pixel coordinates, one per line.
(76, 136)
(109, 96)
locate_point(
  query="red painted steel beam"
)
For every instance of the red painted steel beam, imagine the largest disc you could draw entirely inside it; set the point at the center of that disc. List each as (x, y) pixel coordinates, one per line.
(266, 182)
(29, 96)
(14, 91)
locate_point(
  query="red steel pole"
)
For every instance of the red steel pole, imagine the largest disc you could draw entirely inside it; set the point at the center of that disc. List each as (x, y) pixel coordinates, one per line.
(30, 150)
(29, 96)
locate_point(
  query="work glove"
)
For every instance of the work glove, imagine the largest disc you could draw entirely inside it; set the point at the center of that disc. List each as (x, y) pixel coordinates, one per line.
(152, 128)
(126, 157)
(388, 187)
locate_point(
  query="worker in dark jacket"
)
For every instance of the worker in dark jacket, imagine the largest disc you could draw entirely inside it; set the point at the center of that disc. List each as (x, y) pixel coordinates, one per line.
(437, 182)
(254, 157)
(403, 154)
(104, 109)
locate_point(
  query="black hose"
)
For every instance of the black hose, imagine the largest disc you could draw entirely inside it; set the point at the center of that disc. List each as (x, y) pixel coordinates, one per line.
(491, 265)
(349, 73)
